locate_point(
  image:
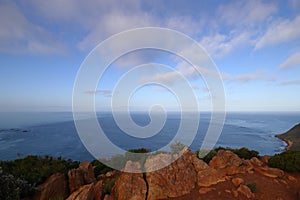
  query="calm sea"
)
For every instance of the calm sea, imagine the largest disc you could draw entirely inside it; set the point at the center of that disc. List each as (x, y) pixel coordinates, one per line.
(55, 134)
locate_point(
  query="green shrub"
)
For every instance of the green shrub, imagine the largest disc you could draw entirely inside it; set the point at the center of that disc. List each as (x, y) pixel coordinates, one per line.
(108, 186)
(245, 153)
(242, 152)
(100, 168)
(35, 169)
(287, 161)
(209, 156)
(14, 188)
(251, 186)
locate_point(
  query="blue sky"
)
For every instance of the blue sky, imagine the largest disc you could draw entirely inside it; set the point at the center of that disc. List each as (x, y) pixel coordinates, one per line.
(254, 44)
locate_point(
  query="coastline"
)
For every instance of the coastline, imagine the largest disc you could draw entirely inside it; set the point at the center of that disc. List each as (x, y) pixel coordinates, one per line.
(289, 143)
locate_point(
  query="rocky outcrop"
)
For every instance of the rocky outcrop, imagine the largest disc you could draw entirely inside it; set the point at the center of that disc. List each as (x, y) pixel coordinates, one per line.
(130, 186)
(55, 187)
(81, 176)
(85, 192)
(243, 189)
(185, 175)
(270, 172)
(237, 181)
(87, 171)
(175, 180)
(292, 138)
(75, 180)
(225, 159)
(98, 188)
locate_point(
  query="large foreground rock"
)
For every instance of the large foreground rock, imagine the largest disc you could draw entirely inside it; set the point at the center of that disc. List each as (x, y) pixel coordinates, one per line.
(86, 192)
(55, 187)
(81, 176)
(130, 186)
(175, 180)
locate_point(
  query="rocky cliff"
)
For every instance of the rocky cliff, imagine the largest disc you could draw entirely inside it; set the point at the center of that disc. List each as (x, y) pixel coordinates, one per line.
(292, 138)
(225, 177)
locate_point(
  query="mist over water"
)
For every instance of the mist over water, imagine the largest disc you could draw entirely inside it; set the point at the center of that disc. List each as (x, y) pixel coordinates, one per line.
(55, 134)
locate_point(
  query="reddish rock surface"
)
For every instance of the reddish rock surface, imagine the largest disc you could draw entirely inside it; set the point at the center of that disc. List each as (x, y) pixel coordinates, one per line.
(270, 172)
(98, 188)
(87, 172)
(130, 186)
(226, 177)
(175, 180)
(225, 159)
(237, 181)
(81, 176)
(243, 189)
(75, 179)
(85, 192)
(55, 187)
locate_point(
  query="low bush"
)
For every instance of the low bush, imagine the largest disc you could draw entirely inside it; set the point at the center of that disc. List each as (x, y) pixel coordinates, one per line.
(287, 161)
(242, 152)
(107, 186)
(209, 156)
(14, 188)
(22, 175)
(100, 168)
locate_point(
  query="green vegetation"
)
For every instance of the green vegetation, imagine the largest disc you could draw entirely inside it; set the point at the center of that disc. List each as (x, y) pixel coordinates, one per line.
(251, 186)
(292, 135)
(287, 161)
(108, 186)
(242, 153)
(14, 188)
(209, 156)
(35, 169)
(20, 176)
(100, 168)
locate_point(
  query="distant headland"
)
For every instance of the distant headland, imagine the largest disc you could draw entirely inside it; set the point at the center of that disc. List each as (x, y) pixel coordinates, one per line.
(292, 138)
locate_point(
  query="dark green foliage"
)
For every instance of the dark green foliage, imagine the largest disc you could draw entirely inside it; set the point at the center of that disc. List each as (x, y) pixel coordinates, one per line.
(108, 186)
(209, 156)
(14, 188)
(137, 155)
(245, 153)
(287, 161)
(35, 169)
(140, 150)
(252, 187)
(100, 168)
(242, 152)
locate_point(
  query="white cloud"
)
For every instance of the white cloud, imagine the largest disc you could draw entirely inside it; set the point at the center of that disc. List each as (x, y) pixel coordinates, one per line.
(293, 82)
(113, 23)
(19, 35)
(219, 45)
(246, 13)
(279, 32)
(105, 93)
(248, 77)
(292, 61)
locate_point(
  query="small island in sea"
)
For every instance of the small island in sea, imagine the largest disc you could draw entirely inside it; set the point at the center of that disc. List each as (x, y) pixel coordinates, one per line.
(292, 138)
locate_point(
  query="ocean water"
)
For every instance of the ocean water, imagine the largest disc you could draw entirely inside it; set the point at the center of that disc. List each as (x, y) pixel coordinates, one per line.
(55, 134)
